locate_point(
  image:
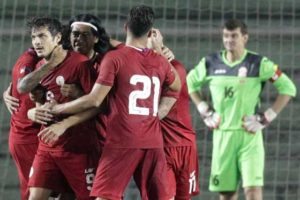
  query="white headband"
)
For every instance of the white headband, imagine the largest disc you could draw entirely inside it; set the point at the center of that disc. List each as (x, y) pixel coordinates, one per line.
(84, 23)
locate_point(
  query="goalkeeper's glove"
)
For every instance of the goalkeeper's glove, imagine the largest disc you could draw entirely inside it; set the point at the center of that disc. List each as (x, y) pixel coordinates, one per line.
(210, 118)
(257, 122)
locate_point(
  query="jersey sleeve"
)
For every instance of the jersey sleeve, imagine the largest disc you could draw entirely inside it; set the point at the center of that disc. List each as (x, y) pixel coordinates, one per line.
(26, 63)
(270, 71)
(196, 78)
(267, 69)
(170, 76)
(182, 75)
(285, 85)
(108, 70)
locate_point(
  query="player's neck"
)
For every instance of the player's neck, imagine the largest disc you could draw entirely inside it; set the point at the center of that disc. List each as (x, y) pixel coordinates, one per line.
(232, 56)
(137, 42)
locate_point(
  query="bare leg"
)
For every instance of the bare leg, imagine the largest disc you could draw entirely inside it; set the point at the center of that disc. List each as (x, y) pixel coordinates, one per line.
(39, 193)
(253, 193)
(228, 195)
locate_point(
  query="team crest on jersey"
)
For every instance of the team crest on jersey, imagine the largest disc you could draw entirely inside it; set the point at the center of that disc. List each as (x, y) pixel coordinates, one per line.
(242, 72)
(60, 80)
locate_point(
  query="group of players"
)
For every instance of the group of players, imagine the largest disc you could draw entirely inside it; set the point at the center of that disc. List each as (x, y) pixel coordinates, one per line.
(127, 104)
(104, 98)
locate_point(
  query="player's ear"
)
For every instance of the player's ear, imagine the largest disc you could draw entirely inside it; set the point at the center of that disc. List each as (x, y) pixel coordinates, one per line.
(58, 38)
(149, 33)
(246, 37)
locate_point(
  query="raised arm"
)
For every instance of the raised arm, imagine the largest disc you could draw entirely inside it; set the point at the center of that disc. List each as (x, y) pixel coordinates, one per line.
(30, 81)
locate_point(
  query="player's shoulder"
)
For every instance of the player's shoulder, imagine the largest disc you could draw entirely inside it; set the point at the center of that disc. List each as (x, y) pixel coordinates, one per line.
(254, 54)
(76, 57)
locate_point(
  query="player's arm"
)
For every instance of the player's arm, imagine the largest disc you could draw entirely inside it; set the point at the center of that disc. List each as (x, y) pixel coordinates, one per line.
(54, 131)
(91, 100)
(11, 102)
(165, 105)
(196, 78)
(72, 91)
(286, 90)
(31, 80)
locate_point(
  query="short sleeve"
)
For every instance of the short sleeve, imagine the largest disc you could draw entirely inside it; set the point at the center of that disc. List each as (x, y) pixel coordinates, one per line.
(196, 78)
(267, 69)
(107, 71)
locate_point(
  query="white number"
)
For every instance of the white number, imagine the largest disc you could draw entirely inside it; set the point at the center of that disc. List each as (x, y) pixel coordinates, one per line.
(89, 176)
(143, 94)
(192, 181)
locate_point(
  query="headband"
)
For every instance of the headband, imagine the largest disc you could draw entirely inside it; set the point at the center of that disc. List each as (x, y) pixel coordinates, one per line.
(85, 23)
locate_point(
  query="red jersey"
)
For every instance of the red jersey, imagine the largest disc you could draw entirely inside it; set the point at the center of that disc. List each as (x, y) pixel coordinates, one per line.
(102, 116)
(177, 126)
(75, 69)
(23, 130)
(137, 76)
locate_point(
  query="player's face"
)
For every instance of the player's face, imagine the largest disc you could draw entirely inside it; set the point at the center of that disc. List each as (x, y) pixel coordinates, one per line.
(234, 40)
(82, 39)
(43, 42)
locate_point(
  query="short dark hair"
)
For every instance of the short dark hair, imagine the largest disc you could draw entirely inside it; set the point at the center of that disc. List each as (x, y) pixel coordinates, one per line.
(54, 26)
(103, 44)
(232, 24)
(140, 20)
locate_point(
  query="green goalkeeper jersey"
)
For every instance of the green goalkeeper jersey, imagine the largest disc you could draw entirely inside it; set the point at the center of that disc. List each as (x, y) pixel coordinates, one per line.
(235, 87)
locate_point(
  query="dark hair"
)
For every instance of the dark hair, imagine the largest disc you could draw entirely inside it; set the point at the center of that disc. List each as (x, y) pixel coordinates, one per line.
(103, 44)
(232, 24)
(54, 27)
(140, 20)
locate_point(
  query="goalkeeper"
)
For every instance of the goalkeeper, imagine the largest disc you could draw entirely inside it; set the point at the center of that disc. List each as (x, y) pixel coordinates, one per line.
(235, 77)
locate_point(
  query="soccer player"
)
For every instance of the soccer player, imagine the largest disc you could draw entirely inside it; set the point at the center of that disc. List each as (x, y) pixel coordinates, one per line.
(23, 141)
(235, 77)
(89, 38)
(134, 76)
(179, 137)
(72, 158)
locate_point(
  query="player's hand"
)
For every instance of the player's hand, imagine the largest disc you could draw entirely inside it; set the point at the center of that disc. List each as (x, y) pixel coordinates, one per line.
(38, 94)
(40, 115)
(71, 90)
(156, 40)
(11, 102)
(167, 53)
(52, 133)
(211, 119)
(257, 122)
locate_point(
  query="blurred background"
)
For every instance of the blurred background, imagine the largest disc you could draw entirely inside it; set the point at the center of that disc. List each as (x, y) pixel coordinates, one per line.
(191, 28)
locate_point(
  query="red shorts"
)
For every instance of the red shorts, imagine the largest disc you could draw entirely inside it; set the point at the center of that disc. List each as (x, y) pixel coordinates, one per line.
(183, 172)
(23, 155)
(117, 166)
(58, 170)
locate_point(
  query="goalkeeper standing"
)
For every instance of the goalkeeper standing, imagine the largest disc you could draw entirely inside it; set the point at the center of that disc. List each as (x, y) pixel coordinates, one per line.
(235, 77)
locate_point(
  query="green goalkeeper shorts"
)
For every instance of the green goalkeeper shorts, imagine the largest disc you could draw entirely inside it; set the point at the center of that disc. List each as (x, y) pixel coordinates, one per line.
(237, 155)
